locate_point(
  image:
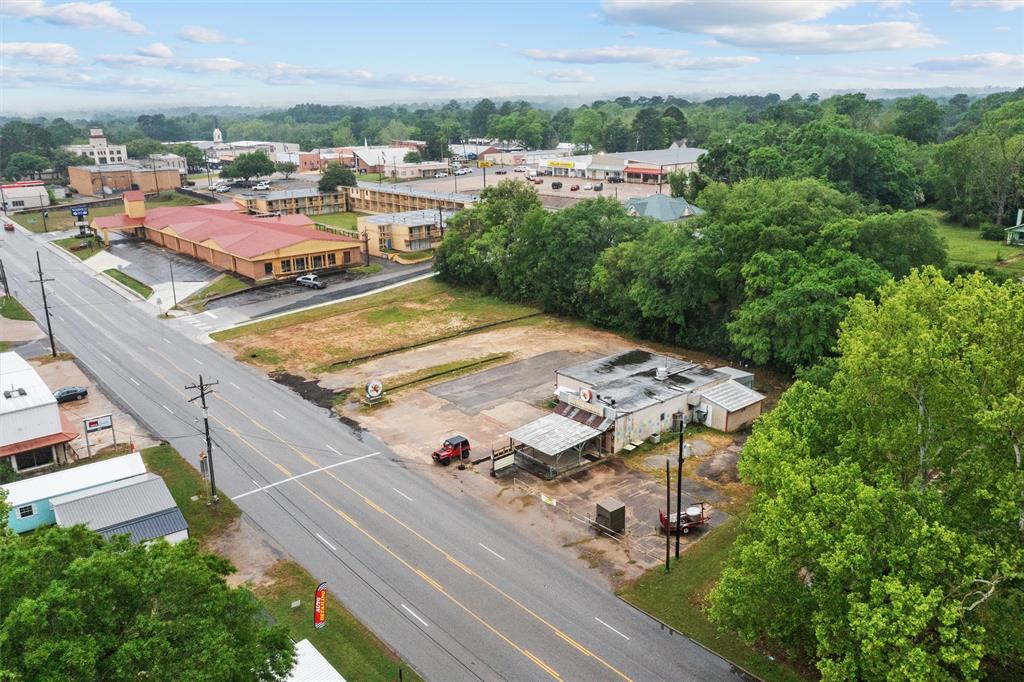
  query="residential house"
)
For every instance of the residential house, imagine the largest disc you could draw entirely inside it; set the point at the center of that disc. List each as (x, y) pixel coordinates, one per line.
(662, 207)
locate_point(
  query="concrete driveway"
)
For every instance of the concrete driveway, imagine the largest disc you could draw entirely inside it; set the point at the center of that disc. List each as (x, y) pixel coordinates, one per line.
(151, 265)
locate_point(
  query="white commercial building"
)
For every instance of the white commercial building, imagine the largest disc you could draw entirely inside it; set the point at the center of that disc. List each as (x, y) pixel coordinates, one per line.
(166, 162)
(33, 432)
(24, 195)
(98, 149)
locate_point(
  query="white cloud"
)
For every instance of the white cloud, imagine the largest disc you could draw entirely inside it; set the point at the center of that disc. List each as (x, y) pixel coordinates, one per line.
(205, 36)
(1001, 5)
(565, 76)
(971, 62)
(57, 54)
(1002, 29)
(76, 14)
(659, 57)
(773, 26)
(212, 65)
(158, 50)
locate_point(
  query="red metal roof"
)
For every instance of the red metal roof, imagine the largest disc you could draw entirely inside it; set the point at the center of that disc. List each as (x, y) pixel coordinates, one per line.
(119, 220)
(134, 195)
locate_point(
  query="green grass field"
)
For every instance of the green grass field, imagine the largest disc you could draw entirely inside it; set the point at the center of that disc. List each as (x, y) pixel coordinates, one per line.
(344, 220)
(69, 244)
(130, 282)
(13, 310)
(63, 220)
(224, 284)
(677, 598)
(967, 247)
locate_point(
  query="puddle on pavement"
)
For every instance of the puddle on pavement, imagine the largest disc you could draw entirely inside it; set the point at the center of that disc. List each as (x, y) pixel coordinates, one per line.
(312, 391)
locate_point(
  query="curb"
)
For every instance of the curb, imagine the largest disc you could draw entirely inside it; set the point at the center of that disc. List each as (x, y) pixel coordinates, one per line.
(746, 674)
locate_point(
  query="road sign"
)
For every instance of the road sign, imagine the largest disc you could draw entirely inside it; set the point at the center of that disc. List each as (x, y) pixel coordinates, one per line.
(484, 164)
(320, 606)
(104, 421)
(79, 211)
(374, 389)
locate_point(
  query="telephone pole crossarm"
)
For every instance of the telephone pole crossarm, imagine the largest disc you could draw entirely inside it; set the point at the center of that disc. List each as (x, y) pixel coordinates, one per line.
(206, 388)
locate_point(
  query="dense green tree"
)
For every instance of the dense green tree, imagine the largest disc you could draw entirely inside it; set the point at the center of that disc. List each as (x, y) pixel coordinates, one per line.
(916, 118)
(22, 165)
(897, 242)
(76, 607)
(885, 541)
(413, 157)
(251, 165)
(648, 129)
(617, 138)
(342, 135)
(588, 129)
(193, 155)
(142, 147)
(480, 117)
(63, 132)
(286, 168)
(856, 106)
(677, 183)
(334, 176)
(394, 130)
(21, 136)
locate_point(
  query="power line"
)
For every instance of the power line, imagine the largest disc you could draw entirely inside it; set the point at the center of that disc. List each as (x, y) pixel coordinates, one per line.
(204, 390)
(42, 287)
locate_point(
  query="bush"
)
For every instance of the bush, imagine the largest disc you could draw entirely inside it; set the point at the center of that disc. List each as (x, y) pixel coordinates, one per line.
(992, 232)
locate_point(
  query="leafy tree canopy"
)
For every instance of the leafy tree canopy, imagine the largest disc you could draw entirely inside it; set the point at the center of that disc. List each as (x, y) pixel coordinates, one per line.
(251, 165)
(334, 176)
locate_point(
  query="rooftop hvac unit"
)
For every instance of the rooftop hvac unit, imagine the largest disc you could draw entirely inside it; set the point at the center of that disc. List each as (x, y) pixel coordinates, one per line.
(661, 373)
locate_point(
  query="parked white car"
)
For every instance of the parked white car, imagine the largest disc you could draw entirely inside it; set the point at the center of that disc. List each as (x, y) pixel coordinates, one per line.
(588, 186)
(464, 171)
(520, 169)
(440, 174)
(261, 186)
(222, 188)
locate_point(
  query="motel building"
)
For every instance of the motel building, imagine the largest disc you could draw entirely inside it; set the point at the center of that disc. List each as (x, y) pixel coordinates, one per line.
(34, 434)
(255, 247)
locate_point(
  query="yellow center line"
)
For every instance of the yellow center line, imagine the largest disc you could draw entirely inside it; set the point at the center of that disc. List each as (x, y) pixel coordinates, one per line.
(348, 519)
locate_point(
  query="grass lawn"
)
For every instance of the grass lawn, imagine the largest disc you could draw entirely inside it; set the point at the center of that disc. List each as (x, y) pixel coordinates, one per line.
(966, 246)
(678, 598)
(423, 311)
(371, 269)
(69, 244)
(12, 310)
(376, 177)
(416, 255)
(130, 282)
(344, 641)
(345, 220)
(185, 482)
(224, 284)
(63, 220)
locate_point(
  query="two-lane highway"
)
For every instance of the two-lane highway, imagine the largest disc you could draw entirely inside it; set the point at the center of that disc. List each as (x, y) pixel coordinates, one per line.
(454, 589)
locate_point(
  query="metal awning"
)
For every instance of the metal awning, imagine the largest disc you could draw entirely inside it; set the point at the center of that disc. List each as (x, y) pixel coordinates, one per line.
(553, 434)
(640, 170)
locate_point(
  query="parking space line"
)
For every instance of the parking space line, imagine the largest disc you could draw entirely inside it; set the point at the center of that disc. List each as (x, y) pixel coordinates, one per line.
(198, 360)
(235, 385)
(134, 381)
(413, 614)
(279, 414)
(491, 551)
(402, 494)
(167, 408)
(611, 628)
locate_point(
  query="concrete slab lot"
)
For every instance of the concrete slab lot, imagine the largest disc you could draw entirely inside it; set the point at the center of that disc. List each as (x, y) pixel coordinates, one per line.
(530, 380)
(151, 265)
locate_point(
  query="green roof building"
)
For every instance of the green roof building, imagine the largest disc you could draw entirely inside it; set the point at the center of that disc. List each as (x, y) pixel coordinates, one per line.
(662, 207)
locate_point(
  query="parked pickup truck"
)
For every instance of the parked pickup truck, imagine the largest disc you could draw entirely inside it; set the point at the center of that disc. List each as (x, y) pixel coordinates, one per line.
(454, 447)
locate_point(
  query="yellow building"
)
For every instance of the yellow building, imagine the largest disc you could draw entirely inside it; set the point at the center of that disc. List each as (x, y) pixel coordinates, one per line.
(309, 201)
(402, 232)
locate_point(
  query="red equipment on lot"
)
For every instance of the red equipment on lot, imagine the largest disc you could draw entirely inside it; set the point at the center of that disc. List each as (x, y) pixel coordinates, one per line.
(9, 227)
(693, 517)
(454, 447)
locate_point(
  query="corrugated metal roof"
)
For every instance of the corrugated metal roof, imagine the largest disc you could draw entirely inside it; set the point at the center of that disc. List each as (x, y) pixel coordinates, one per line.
(149, 528)
(311, 666)
(552, 434)
(114, 504)
(731, 395)
(73, 479)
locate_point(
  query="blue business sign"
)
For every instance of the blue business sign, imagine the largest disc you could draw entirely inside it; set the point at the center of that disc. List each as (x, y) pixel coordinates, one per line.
(79, 211)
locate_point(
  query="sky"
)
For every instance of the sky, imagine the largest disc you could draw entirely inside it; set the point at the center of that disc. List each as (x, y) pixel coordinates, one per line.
(82, 55)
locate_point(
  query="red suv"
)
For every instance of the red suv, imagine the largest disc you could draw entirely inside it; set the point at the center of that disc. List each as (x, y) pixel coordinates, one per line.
(455, 447)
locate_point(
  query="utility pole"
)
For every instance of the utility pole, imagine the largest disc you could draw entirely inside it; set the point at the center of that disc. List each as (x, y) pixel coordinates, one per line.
(174, 293)
(3, 279)
(204, 390)
(668, 513)
(46, 214)
(679, 479)
(485, 177)
(42, 287)
(366, 244)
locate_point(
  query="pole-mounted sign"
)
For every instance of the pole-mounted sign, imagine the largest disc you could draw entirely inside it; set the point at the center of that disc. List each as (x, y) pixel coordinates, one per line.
(320, 606)
(80, 211)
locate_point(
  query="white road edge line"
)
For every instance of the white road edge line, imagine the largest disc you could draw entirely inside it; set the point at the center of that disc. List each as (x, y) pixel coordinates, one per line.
(413, 614)
(610, 628)
(166, 408)
(235, 385)
(402, 494)
(308, 473)
(491, 551)
(210, 314)
(279, 414)
(105, 357)
(134, 381)
(198, 360)
(333, 548)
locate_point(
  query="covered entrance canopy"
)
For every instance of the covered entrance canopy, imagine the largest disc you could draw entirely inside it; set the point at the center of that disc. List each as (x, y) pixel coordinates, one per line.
(552, 444)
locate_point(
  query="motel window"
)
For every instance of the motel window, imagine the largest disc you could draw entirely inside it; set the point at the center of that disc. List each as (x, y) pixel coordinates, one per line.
(318, 261)
(286, 265)
(26, 511)
(300, 264)
(347, 257)
(332, 259)
(268, 268)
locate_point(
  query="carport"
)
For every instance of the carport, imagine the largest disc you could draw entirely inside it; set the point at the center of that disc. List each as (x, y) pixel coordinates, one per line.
(553, 444)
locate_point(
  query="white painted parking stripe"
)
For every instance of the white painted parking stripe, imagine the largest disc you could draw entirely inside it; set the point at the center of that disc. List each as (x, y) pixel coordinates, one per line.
(134, 381)
(413, 614)
(610, 628)
(210, 314)
(491, 551)
(308, 473)
(105, 357)
(325, 542)
(167, 408)
(279, 414)
(198, 360)
(402, 494)
(235, 385)
(167, 340)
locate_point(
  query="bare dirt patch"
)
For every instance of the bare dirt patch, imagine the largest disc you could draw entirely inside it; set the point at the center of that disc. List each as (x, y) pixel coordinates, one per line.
(249, 551)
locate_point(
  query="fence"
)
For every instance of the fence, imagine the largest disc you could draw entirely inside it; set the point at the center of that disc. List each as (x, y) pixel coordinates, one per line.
(334, 229)
(624, 540)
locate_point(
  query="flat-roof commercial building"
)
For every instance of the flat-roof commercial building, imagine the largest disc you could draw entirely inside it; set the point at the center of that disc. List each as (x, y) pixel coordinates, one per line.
(402, 232)
(24, 195)
(122, 177)
(167, 161)
(626, 398)
(98, 149)
(255, 247)
(651, 166)
(369, 197)
(308, 200)
(34, 433)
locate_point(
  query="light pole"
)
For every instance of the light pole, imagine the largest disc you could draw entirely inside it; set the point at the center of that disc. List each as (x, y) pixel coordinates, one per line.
(679, 477)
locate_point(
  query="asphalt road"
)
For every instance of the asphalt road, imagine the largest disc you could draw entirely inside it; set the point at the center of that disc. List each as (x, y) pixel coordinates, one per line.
(453, 588)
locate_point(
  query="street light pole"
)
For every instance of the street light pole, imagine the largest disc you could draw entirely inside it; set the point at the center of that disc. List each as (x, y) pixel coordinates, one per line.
(174, 293)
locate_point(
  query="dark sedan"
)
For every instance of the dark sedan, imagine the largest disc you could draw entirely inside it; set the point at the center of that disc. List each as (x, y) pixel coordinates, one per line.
(69, 393)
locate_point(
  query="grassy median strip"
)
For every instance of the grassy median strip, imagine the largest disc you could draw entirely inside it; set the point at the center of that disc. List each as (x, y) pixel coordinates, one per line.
(13, 310)
(225, 284)
(81, 247)
(446, 371)
(678, 598)
(345, 642)
(130, 282)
